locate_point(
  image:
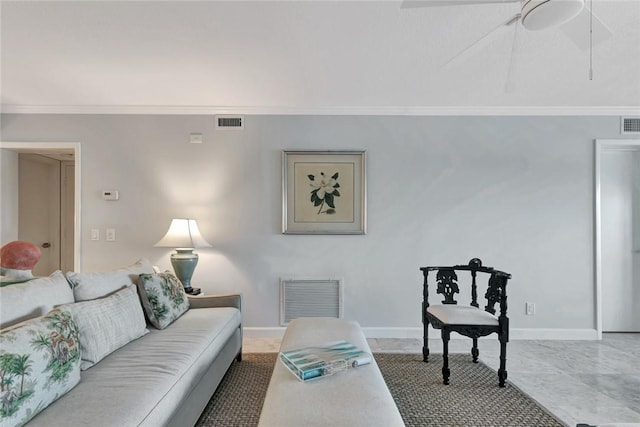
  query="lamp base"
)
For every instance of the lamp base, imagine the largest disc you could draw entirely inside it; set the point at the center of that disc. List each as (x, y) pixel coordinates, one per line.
(184, 262)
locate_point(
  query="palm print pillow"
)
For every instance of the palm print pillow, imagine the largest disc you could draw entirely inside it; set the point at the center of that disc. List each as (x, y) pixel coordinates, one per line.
(163, 298)
(39, 362)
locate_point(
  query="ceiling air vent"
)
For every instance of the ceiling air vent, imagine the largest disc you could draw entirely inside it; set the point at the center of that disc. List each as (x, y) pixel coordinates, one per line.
(630, 125)
(229, 122)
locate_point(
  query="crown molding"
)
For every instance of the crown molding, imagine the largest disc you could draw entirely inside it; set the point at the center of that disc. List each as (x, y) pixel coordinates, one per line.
(326, 111)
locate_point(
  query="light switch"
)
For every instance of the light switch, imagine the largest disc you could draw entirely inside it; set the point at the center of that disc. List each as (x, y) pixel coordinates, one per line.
(111, 234)
(95, 234)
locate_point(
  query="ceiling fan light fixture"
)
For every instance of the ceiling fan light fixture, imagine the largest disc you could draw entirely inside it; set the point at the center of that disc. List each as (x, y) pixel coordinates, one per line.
(542, 14)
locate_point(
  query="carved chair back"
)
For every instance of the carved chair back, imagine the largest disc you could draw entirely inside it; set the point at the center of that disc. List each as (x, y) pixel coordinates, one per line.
(448, 286)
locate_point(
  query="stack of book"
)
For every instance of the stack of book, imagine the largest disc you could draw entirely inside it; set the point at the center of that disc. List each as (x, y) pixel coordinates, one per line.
(309, 363)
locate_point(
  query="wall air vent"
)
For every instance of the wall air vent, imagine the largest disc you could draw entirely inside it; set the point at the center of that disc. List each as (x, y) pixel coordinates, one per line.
(310, 298)
(630, 125)
(229, 122)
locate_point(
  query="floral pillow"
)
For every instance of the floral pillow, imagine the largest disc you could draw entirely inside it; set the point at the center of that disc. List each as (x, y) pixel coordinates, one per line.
(39, 362)
(163, 298)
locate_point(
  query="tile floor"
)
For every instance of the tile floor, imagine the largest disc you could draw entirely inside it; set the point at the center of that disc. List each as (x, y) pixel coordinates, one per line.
(592, 382)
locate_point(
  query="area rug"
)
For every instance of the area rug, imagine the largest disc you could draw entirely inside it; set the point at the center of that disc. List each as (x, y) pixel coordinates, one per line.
(473, 397)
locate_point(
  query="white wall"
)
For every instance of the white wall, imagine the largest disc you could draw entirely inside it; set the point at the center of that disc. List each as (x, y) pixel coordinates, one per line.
(8, 196)
(516, 192)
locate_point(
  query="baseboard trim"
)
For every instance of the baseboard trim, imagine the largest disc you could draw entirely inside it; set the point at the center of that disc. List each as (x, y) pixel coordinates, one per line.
(553, 334)
(416, 333)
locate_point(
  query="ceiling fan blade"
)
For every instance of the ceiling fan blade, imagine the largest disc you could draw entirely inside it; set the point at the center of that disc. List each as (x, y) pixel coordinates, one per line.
(578, 29)
(512, 71)
(482, 41)
(410, 4)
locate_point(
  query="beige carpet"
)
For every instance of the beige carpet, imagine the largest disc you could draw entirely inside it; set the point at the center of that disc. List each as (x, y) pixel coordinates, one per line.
(472, 399)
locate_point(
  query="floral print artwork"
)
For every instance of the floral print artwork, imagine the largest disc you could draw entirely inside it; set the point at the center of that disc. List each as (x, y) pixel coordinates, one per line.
(39, 362)
(325, 190)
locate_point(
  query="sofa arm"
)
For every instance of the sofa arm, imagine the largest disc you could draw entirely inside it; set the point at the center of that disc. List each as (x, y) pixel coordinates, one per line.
(211, 301)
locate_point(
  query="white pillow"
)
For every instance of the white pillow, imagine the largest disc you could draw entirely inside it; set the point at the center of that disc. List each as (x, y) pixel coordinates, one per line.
(42, 357)
(88, 286)
(106, 324)
(35, 298)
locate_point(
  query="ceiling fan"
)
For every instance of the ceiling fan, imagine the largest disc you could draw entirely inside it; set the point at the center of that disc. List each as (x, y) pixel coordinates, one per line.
(572, 16)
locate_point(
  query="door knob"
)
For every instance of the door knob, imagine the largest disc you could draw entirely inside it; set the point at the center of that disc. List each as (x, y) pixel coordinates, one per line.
(46, 245)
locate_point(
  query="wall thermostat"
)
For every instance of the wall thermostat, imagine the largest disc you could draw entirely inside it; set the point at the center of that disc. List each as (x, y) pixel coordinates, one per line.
(110, 194)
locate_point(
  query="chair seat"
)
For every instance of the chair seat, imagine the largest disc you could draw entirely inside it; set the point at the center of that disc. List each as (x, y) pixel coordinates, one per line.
(451, 314)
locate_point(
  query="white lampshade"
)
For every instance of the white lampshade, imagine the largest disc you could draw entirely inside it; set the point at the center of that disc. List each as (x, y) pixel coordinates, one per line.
(183, 233)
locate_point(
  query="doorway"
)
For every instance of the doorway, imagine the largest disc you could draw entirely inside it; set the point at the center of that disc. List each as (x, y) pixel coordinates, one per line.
(45, 201)
(618, 235)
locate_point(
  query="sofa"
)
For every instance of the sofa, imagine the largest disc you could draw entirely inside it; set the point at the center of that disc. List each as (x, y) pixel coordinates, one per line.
(125, 347)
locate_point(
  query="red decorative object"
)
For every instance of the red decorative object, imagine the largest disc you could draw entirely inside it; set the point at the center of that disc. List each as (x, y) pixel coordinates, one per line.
(19, 255)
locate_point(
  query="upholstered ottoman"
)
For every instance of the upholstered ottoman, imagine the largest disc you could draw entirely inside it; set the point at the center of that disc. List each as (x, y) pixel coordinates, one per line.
(357, 397)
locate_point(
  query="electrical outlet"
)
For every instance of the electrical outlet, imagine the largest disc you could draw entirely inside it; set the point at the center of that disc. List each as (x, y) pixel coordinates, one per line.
(95, 234)
(111, 234)
(530, 309)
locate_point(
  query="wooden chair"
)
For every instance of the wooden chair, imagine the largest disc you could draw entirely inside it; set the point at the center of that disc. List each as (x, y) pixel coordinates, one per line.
(470, 321)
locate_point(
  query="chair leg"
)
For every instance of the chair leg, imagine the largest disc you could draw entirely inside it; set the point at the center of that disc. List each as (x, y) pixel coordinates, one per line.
(445, 357)
(474, 350)
(502, 372)
(425, 342)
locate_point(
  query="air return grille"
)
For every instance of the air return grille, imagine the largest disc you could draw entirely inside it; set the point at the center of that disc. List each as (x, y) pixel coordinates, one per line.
(229, 122)
(310, 298)
(630, 125)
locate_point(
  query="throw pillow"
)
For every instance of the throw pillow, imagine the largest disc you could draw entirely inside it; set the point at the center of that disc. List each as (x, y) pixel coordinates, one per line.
(33, 299)
(88, 286)
(163, 298)
(106, 324)
(39, 362)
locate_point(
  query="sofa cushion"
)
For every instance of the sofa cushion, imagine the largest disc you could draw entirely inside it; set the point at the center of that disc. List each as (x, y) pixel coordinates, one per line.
(144, 382)
(106, 324)
(33, 299)
(88, 286)
(40, 361)
(163, 298)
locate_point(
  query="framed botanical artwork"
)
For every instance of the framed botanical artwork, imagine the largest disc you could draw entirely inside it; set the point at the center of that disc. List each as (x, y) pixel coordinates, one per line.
(324, 192)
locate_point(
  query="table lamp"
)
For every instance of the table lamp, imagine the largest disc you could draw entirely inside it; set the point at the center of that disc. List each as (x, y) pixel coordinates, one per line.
(184, 235)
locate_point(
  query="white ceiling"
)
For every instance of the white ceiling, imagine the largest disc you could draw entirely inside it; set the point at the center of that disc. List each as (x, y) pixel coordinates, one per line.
(303, 57)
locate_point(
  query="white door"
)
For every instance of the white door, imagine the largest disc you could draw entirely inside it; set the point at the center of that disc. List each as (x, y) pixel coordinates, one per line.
(39, 208)
(620, 219)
